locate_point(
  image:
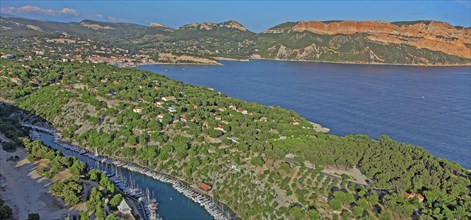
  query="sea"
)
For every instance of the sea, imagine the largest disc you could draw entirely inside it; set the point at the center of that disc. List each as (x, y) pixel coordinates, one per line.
(428, 107)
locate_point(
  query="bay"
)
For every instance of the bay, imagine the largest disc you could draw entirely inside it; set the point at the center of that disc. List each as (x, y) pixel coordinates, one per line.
(425, 106)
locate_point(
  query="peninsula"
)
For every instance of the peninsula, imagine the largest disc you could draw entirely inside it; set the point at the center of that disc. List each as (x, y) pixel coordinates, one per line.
(261, 161)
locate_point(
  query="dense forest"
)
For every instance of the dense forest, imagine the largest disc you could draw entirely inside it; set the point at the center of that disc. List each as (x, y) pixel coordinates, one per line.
(5, 211)
(264, 162)
(12, 130)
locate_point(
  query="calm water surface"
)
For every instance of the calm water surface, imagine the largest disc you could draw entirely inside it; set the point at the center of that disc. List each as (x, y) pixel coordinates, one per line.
(172, 204)
(425, 106)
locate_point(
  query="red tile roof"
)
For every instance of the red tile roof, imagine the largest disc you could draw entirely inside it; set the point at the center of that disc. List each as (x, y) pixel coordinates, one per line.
(205, 186)
(412, 196)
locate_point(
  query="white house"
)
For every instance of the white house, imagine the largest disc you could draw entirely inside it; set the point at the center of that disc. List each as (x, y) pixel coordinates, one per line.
(221, 128)
(243, 111)
(169, 98)
(159, 117)
(158, 104)
(8, 56)
(124, 207)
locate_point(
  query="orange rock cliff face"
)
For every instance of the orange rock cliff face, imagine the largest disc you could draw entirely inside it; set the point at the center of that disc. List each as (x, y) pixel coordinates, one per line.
(433, 35)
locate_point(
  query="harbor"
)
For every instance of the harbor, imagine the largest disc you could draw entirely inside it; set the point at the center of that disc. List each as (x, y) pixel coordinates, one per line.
(139, 185)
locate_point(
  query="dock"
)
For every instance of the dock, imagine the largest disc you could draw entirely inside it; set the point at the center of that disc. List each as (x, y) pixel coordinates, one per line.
(214, 208)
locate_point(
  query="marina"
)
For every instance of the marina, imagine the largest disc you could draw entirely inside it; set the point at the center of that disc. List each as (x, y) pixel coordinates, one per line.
(138, 184)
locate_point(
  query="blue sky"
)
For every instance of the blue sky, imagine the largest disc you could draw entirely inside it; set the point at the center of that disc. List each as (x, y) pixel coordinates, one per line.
(255, 15)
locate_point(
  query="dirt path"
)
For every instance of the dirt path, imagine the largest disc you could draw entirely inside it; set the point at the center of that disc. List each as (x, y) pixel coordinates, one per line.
(291, 181)
(27, 192)
(355, 173)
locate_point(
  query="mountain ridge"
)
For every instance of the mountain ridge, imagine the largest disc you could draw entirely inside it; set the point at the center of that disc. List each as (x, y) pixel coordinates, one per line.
(210, 25)
(436, 35)
(422, 42)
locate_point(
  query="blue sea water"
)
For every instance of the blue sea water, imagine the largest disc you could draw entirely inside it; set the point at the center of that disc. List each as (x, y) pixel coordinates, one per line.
(425, 106)
(172, 204)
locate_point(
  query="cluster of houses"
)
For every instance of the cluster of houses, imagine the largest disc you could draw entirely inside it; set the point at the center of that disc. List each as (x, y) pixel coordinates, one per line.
(184, 118)
(170, 109)
(86, 50)
(240, 110)
(220, 127)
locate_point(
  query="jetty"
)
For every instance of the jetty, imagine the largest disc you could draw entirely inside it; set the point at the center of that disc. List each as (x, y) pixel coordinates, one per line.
(49, 131)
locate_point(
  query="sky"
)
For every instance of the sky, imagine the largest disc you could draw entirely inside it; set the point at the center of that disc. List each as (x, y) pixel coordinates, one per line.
(255, 15)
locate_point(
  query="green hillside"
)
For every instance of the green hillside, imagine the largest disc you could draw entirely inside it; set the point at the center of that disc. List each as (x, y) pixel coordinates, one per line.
(209, 40)
(264, 162)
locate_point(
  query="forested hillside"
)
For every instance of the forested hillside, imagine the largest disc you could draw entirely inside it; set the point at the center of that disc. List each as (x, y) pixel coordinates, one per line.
(263, 161)
(405, 43)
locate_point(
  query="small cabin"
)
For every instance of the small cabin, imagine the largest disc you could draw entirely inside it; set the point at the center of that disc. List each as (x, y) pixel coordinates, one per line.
(8, 56)
(220, 127)
(243, 111)
(204, 186)
(169, 98)
(159, 117)
(412, 196)
(183, 118)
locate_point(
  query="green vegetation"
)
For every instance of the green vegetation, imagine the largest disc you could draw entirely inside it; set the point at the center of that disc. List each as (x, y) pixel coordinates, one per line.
(71, 189)
(132, 43)
(114, 202)
(68, 189)
(33, 216)
(12, 130)
(354, 48)
(6, 213)
(406, 23)
(121, 113)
